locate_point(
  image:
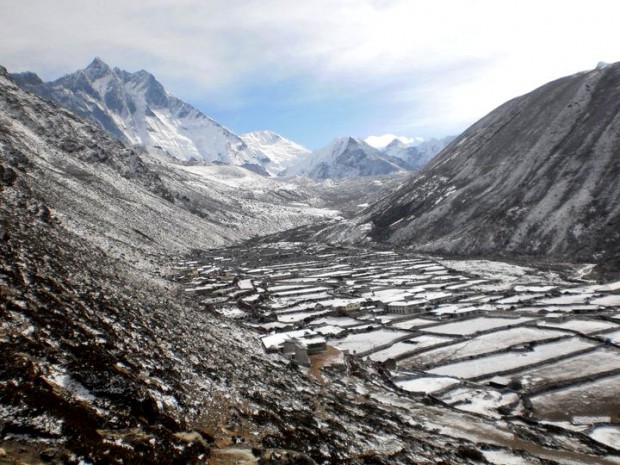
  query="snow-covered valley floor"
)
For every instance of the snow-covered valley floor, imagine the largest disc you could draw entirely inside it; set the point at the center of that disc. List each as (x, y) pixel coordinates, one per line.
(508, 343)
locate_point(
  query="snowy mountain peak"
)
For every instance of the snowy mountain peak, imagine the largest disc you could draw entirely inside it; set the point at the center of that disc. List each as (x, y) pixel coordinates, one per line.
(414, 157)
(97, 69)
(341, 144)
(137, 109)
(98, 64)
(276, 153)
(264, 136)
(396, 143)
(344, 157)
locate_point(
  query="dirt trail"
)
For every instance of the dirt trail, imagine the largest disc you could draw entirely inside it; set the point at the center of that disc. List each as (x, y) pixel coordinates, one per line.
(329, 357)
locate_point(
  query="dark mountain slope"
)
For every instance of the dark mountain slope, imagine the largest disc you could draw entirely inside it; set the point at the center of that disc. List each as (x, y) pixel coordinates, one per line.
(539, 175)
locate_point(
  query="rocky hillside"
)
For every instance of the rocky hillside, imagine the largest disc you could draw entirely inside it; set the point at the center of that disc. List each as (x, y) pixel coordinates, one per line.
(537, 176)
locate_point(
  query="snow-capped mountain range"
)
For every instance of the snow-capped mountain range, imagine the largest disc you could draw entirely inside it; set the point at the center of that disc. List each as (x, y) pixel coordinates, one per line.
(347, 157)
(136, 109)
(344, 157)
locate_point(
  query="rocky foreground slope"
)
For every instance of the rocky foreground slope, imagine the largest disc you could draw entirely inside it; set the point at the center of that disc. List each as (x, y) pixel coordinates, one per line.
(537, 176)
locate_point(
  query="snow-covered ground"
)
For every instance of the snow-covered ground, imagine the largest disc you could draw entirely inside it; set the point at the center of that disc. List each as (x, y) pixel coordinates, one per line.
(363, 342)
(477, 400)
(580, 325)
(474, 325)
(592, 399)
(511, 360)
(588, 364)
(400, 348)
(483, 344)
(427, 384)
(608, 435)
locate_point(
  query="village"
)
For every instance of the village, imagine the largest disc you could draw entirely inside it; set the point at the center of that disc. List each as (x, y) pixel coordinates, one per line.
(487, 337)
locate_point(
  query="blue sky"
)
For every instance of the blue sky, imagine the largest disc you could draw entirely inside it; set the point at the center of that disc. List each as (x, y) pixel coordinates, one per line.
(313, 70)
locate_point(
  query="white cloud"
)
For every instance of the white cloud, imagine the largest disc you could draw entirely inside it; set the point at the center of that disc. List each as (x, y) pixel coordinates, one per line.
(452, 60)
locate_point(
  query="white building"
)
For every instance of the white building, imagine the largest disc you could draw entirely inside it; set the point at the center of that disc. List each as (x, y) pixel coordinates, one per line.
(403, 307)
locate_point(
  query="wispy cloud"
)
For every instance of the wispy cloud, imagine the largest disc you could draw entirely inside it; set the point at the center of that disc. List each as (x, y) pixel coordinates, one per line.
(448, 62)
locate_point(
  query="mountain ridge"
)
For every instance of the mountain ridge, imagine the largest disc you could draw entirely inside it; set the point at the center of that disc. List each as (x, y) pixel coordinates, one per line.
(536, 176)
(136, 108)
(344, 157)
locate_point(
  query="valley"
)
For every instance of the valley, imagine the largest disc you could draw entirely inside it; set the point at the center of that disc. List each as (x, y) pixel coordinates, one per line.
(505, 342)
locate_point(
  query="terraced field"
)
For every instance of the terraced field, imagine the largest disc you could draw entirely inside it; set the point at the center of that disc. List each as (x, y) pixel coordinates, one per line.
(491, 338)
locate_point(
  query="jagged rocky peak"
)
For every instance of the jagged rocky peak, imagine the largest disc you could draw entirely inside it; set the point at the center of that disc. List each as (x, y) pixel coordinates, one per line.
(537, 176)
(98, 67)
(117, 88)
(137, 109)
